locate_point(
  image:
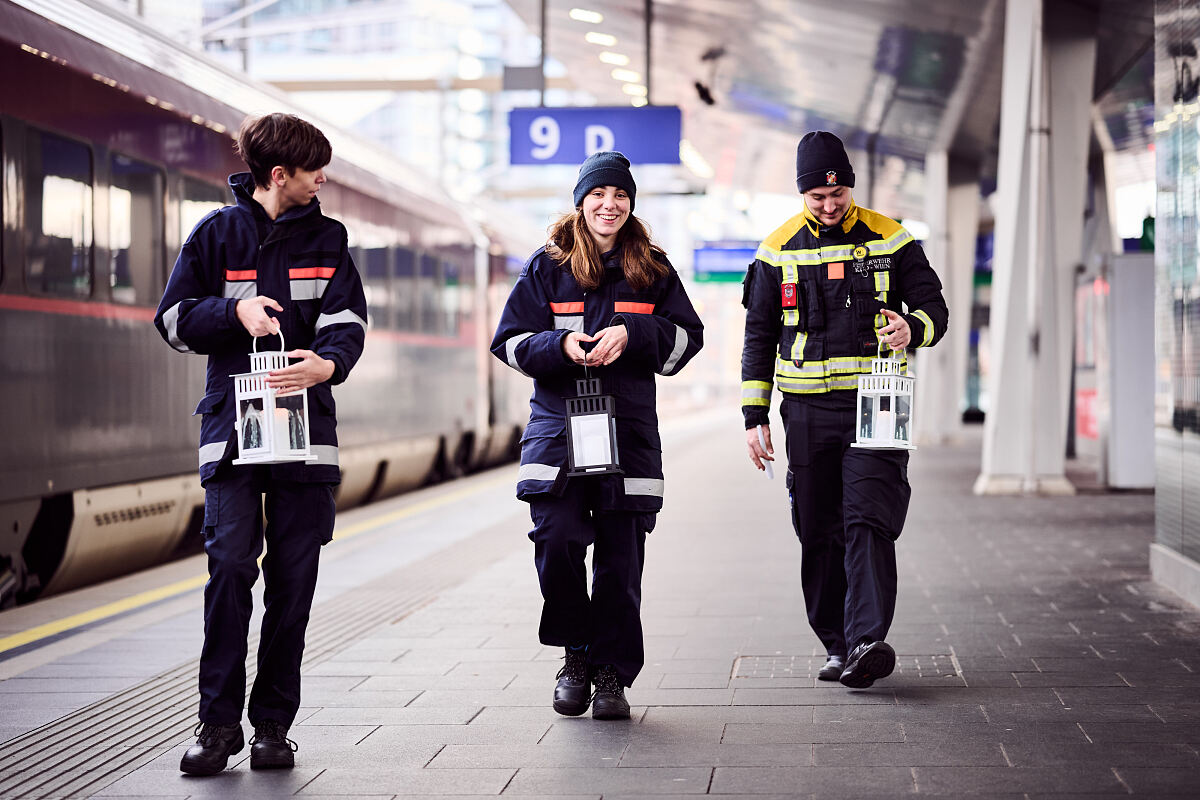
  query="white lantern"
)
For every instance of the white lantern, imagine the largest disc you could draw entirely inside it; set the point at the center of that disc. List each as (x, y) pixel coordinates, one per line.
(591, 430)
(885, 405)
(272, 426)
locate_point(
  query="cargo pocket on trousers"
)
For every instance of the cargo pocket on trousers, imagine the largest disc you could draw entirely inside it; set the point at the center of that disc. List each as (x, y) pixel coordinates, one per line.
(212, 504)
(789, 481)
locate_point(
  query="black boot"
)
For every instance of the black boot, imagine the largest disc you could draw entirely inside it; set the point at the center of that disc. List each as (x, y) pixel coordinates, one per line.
(573, 693)
(270, 748)
(214, 745)
(609, 700)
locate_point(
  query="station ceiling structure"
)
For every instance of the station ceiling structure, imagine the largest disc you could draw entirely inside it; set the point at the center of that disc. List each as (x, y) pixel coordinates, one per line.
(894, 78)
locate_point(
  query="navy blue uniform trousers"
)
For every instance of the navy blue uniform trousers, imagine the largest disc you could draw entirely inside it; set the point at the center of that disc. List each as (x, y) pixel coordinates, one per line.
(848, 508)
(609, 622)
(299, 519)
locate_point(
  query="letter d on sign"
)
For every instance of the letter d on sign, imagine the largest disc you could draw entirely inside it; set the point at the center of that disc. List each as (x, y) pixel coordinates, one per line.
(597, 138)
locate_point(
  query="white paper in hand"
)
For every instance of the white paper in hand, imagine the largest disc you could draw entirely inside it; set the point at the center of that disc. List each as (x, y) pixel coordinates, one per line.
(763, 444)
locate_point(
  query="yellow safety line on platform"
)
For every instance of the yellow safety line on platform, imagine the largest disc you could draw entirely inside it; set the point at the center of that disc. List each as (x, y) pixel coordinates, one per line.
(179, 587)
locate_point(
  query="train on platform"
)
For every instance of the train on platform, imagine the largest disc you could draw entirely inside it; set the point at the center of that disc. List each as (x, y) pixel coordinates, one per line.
(114, 142)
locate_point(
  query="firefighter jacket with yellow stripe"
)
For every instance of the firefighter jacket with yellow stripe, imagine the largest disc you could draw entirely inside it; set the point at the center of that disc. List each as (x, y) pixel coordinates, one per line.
(300, 260)
(546, 304)
(813, 297)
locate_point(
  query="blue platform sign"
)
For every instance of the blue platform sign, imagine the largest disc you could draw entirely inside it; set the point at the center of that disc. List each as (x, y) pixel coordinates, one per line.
(647, 135)
(723, 262)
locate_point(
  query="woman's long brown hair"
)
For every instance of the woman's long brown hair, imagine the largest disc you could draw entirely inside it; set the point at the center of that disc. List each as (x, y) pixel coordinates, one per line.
(571, 245)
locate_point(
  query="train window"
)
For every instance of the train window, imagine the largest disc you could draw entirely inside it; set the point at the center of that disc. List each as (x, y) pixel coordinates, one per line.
(452, 294)
(430, 280)
(135, 230)
(376, 279)
(199, 198)
(58, 215)
(404, 283)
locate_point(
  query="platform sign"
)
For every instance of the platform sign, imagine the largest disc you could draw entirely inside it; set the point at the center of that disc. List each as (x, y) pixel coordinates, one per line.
(723, 262)
(647, 135)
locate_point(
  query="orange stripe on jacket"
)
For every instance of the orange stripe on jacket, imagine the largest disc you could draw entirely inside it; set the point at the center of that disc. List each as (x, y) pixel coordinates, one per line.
(567, 308)
(633, 308)
(311, 272)
(241, 274)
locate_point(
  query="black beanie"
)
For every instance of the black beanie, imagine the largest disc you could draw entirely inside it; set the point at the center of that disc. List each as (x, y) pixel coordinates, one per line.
(606, 168)
(821, 161)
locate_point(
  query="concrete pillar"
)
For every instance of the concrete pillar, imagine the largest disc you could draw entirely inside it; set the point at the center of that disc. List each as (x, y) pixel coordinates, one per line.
(952, 212)
(1044, 133)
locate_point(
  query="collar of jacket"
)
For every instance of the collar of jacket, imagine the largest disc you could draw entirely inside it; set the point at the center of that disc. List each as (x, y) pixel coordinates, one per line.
(817, 230)
(242, 185)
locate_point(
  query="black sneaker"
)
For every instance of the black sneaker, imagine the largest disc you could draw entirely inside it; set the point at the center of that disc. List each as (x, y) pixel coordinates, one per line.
(270, 748)
(609, 700)
(214, 745)
(573, 694)
(867, 663)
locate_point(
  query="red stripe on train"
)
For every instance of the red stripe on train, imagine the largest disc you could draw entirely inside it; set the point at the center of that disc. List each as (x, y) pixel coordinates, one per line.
(76, 308)
(298, 273)
(567, 308)
(633, 308)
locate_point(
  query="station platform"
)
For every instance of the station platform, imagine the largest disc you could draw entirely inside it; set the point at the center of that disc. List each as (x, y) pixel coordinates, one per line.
(1036, 658)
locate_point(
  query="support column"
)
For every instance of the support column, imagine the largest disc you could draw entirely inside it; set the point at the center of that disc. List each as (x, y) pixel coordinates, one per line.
(952, 211)
(1039, 236)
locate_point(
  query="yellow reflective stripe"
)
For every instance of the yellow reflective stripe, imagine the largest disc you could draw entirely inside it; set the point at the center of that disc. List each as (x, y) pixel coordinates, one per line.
(830, 366)
(928, 323)
(756, 385)
(883, 281)
(798, 345)
(756, 401)
(756, 393)
(891, 244)
(791, 316)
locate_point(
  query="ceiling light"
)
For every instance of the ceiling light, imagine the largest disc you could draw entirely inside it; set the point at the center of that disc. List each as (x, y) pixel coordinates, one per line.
(637, 90)
(602, 39)
(692, 159)
(618, 59)
(583, 15)
(627, 75)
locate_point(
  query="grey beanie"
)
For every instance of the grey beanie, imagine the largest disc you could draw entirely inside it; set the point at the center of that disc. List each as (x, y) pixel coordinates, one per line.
(821, 160)
(606, 168)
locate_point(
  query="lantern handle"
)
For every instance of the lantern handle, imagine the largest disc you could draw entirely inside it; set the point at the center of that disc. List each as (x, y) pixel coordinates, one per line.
(282, 346)
(891, 354)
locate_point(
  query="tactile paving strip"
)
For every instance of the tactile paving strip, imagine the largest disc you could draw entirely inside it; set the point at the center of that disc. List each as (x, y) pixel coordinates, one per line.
(85, 751)
(794, 666)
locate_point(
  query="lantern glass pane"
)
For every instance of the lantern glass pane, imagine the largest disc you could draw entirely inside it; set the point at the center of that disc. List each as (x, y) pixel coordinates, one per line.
(903, 415)
(591, 440)
(253, 435)
(289, 409)
(866, 417)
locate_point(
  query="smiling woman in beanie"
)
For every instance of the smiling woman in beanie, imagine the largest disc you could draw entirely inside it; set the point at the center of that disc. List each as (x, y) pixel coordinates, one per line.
(599, 300)
(826, 291)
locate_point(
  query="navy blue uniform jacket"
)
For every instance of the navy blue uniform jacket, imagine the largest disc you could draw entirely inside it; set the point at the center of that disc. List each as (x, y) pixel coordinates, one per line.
(664, 333)
(301, 261)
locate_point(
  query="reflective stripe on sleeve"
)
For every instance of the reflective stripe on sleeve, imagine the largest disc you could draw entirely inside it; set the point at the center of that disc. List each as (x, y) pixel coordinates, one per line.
(171, 323)
(645, 486)
(211, 452)
(510, 351)
(538, 472)
(568, 322)
(567, 308)
(756, 393)
(681, 341)
(325, 453)
(340, 317)
(928, 323)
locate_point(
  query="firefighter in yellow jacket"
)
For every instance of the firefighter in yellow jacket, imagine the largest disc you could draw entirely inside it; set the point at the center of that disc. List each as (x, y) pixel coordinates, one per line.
(824, 290)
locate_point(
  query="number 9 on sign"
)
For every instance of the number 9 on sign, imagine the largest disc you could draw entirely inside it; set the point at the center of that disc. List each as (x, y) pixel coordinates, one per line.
(544, 132)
